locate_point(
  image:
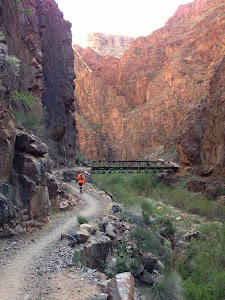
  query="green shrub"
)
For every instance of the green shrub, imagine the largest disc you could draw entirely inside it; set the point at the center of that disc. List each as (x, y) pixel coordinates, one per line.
(199, 81)
(168, 286)
(30, 121)
(13, 63)
(23, 97)
(82, 220)
(146, 210)
(2, 37)
(79, 157)
(148, 241)
(129, 188)
(31, 115)
(4, 46)
(166, 226)
(19, 9)
(126, 258)
(76, 257)
(203, 268)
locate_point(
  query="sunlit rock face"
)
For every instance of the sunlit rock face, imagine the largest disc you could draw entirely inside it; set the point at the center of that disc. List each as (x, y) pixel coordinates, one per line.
(104, 44)
(38, 35)
(126, 106)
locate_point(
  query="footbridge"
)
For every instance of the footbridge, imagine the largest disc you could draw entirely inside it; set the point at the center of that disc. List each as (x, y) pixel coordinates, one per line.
(133, 166)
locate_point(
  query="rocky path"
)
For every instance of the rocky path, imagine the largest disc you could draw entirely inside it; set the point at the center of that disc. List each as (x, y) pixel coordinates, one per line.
(38, 269)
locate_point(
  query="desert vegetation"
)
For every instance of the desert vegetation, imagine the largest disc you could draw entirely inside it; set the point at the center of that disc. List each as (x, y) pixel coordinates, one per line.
(28, 112)
(198, 273)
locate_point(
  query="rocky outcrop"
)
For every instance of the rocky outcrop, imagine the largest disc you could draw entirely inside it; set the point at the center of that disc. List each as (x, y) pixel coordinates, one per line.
(202, 135)
(94, 253)
(127, 106)
(37, 34)
(111, 44)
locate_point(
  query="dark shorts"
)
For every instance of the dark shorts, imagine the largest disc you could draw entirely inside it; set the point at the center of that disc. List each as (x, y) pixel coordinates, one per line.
(80, 184)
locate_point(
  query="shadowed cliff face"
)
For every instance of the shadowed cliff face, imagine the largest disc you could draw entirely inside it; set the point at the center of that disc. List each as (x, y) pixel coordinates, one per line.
(37, 34)
(136, 102)
(7, 127)
(202, 134)
(42, 40)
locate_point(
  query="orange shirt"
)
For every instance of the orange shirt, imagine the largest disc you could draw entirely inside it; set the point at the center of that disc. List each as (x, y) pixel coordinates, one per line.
(80, 178)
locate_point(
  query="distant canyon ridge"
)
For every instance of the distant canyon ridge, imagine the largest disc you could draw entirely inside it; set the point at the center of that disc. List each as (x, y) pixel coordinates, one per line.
(104, 44)
(165, 89)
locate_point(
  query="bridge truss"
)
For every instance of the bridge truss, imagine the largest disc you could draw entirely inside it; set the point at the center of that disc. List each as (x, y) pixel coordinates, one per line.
(132, 166)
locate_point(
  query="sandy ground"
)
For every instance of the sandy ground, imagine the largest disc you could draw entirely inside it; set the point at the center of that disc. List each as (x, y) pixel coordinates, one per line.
(17, 279)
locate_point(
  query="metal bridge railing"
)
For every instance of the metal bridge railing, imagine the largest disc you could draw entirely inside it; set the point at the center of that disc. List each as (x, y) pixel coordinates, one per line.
(131, 166)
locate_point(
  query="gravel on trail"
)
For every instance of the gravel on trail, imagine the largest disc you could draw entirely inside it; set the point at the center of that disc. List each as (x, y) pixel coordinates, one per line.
(39, 266)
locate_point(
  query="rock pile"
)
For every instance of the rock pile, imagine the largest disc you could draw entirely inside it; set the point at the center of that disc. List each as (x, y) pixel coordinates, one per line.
(95, 250)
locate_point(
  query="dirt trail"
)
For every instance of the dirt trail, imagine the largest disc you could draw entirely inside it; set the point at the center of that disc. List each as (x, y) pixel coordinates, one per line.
(13, 275)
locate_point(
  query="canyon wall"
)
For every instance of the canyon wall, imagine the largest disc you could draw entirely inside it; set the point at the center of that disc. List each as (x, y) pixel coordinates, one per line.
(201, 138)
(127, 106)
(104, 44)
(36, 33)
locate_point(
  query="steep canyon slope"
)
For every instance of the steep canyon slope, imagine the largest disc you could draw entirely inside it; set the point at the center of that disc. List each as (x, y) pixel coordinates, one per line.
(36, 33)
(127, 106)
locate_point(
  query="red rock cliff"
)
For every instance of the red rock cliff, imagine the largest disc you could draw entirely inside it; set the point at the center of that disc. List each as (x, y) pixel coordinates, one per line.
(126, 106)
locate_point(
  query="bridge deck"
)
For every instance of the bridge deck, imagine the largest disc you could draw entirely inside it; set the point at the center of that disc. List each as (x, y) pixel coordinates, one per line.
(122, 166)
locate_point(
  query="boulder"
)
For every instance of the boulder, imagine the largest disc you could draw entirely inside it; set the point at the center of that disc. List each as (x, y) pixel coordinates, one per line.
(121, 287)
(149, 261)
(138, 270)
(110, 231)
(87, 227)
(94, 253)
(147, 278)
(29, 143)
(84, 235)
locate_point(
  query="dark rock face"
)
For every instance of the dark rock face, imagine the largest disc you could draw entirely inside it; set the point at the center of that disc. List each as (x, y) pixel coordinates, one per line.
(58, 87)
(202, 136)
(7, 127)
(42, 41)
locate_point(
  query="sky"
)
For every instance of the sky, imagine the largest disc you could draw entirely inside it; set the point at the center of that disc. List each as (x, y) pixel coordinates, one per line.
(121, 17)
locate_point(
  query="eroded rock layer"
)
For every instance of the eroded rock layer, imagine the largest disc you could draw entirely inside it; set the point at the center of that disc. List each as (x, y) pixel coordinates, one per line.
(104, 44)
(127, 106)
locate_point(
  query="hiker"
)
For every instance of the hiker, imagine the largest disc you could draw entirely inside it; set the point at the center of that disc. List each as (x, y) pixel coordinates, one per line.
(81, 179)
